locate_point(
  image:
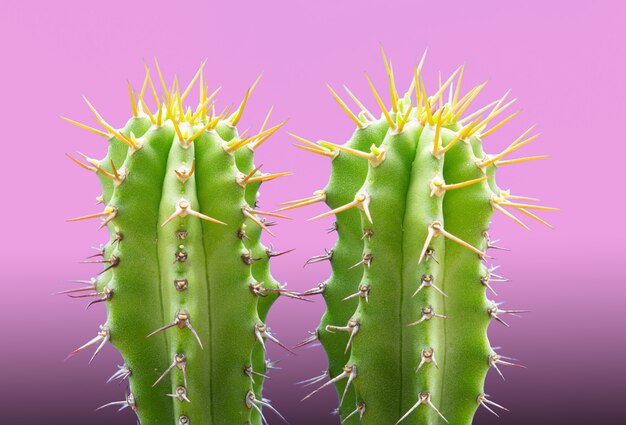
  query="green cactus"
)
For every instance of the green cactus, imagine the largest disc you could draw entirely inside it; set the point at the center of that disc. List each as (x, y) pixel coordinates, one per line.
(186, 280)
(405, 328)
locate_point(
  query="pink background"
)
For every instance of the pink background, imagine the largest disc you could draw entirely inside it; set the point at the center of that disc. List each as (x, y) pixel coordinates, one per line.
(565, 60)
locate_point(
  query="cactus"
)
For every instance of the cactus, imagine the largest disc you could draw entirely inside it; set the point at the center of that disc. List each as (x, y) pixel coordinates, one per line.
(405, 329)
(186, 280)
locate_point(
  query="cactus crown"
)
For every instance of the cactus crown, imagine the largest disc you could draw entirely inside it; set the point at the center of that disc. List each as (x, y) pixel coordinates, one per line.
(186, 280)
(413, 193)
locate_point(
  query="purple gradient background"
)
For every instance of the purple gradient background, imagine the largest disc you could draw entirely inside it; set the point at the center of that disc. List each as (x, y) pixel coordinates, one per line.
(565, 60)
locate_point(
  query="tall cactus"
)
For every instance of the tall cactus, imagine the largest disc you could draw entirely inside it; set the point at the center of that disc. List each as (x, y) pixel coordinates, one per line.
(186, 280)
(405, 328)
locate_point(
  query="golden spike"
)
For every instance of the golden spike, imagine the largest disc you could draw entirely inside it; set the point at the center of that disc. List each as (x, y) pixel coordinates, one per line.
(393, 93)
(511, 148)
(427, 105)
(500, 124)
(163, 85)
(107, 211)
(308, 142)
(369, 156)
(418, 99)
(519, 160)
(133, 105)
(147, 110)
(437, 134)
(508, 214)
(202, 88)
(359, 104)
(343, 106)
(85, 166)
(199, 132)
(465, 132)
(360, 200)
(520, 198)
(527, 206)
(464, 184)
(496, 111)
(534, 217)
(380, 103)
(151, 83)
(181, 138)
(476, 113)
(246, 212)
(267, 118)
(466, 101)
(160, 115)
(86, 127)
(318, 196)
(269, 134)
(268, 177)
(119, 135)
(316, 151)
(243, 142)
(183, 209)
(235, 119)
(268, 213)
(144, 85)
(248, 176)
(457, 89)
(445, 85)
(115, 173)
(193, 81)
(440, 230)
(405, 119)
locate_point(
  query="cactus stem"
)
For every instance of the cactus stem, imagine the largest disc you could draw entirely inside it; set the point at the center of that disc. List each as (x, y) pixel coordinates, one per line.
(128, 402)
(425, 399)
(183, 209)
(103, 336)
(360, 410)
(180, 362)
(182, 320)
(122, 373)
(261, 331)
(86, 127)
(345, 108)
(319, 258)
(390, 121)
(484, 401)
(180, 394)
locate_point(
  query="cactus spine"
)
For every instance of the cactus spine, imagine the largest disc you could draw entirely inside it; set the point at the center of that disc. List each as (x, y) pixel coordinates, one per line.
(405, 328)
(186, 280)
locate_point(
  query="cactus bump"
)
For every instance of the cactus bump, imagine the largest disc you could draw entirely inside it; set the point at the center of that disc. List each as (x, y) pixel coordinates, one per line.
(185, 277)
(411, 294)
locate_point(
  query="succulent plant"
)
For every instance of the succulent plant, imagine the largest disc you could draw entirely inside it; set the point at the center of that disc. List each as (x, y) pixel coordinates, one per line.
(409, 298)
(186, 280)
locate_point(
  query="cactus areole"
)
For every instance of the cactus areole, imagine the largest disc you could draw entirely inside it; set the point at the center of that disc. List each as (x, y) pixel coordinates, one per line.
(408, 301)
(186, 280)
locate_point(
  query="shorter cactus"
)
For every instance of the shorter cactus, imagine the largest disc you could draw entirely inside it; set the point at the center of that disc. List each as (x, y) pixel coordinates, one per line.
(186, 280)
(413, 193)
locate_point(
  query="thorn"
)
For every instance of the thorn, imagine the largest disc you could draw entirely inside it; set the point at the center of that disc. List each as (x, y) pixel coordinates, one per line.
(391, 123)
(133, 105)
(237, 115)
(483, 401)
(364, 292)
(494, 311)
(122, 373)
(319, 289)
(519, 160)
(128, 402)
(181, 319)
(183, 209)
(439, 187)
(253, 402)
(180, 362)
(393, 93)
(319, 258)
(332, 228)
(183, 173)
(360, 410)
(495, 205)
(262, 331)
(180, 394)
(361, 201)
(314, 380)
(103, 336)
(248, 371)
(427, 314)
(359, 104)
(422, 398)
(500, 124)
(375, 157)
(495, 360)
(193, 81)
(348, 372)
(427, 282)
(518, 143)
(109, 212)
(309, 340)
(263, 138)
(318, 196)
(86, 127)
(345, 108)
(271, 253)
(249, 213)
(352, 328)
(427, 356)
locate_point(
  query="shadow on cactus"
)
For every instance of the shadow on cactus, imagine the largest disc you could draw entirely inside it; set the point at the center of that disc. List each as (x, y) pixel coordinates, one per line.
(186, 280)
(413, 192)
